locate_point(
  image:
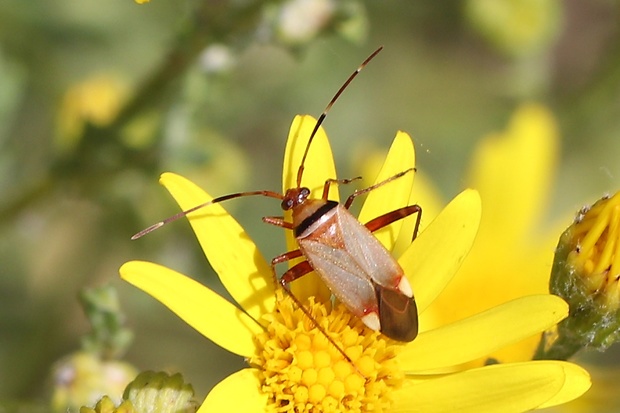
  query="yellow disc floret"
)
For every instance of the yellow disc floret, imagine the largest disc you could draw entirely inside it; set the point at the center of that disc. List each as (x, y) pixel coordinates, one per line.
(302, 371)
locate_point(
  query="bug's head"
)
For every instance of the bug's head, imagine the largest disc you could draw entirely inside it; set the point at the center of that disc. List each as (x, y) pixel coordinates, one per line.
(294, 197)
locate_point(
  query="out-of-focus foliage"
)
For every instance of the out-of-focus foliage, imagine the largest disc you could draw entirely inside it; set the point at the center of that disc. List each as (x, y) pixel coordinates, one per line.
(99, 97)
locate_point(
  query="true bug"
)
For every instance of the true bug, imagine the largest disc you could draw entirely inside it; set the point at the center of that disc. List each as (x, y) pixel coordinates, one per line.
(355, 266)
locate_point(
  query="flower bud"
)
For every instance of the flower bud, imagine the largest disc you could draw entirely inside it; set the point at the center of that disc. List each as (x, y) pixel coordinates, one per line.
(586, 273)
(161, 393)
(106, 405)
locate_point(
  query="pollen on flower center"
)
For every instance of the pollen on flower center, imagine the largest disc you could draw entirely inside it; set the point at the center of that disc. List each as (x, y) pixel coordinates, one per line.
(302, 371)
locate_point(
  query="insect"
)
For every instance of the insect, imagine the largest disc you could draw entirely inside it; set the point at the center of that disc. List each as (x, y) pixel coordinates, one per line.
(355, 266)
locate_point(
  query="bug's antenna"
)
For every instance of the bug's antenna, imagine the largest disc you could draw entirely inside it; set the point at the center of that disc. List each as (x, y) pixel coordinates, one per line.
(300, 171)
(181, 214)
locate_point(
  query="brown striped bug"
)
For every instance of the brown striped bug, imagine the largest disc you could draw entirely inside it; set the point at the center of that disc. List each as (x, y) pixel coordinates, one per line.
(354, 265)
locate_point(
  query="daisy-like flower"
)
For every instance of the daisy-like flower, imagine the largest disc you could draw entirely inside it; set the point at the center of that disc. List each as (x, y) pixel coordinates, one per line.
(295, 368)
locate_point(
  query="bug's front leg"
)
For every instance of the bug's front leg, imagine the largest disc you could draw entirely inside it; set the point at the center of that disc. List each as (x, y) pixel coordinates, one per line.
(331, 181)
(359, 192)
(279, 222)
(294, 272)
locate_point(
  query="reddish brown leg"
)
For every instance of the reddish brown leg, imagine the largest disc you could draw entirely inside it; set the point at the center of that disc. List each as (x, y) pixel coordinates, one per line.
(278, 221)
(287, 256)
(393, 216)
(336, 181)
(359, 192)
(293, 273)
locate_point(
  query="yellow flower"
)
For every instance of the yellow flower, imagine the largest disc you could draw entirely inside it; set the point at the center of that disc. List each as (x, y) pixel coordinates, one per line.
(95, 100)
(81, 378)
(511, 256)
(516, 27)
(142, 1)
(294, 368)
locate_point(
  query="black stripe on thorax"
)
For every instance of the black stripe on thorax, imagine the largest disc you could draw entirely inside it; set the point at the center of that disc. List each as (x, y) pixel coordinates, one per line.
(316, 215)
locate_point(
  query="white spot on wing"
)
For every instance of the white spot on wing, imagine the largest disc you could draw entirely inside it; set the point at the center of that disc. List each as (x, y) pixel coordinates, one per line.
(372, 321)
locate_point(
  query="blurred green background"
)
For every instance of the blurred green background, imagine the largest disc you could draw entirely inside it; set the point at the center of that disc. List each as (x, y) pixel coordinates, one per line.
(208, 90)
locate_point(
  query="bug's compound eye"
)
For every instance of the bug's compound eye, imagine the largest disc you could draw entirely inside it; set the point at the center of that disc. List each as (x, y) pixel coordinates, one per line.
(287, 204)
(300, 196)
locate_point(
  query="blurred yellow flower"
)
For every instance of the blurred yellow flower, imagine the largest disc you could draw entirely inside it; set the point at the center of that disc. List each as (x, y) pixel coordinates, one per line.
(142, 1)
(82, 378)
(95, 100)
(516, 27)
(511, 257)
(293, 366)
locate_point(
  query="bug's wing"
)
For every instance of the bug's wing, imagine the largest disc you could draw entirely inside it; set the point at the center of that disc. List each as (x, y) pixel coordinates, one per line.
(351, 261)
(397, 310)
(369, 254)
(343, 276)
(398, 315)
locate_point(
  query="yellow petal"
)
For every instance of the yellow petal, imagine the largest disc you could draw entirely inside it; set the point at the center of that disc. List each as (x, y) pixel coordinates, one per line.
(431, 261)
(229, 249)
(577, 383)
(239, 392)
(501, 388)
(210, 314)
(393, 195)
(513, 171)
(427, 196)
(602, 394)
(512, 196)
(479, 335)
(319, 166)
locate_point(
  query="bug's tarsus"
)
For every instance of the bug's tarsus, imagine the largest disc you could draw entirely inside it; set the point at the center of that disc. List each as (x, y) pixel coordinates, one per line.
(278, 221)
(363, 191)
(319, 121)
(331, 181)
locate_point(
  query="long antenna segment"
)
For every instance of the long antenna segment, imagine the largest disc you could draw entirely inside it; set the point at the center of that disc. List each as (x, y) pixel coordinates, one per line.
(270, 194)
(300, 171)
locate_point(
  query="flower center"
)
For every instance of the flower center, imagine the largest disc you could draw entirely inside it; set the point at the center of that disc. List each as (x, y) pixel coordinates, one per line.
(302, 371)
(597, 239)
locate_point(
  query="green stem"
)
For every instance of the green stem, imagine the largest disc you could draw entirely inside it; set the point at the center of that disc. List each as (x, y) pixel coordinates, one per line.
(563, 348)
